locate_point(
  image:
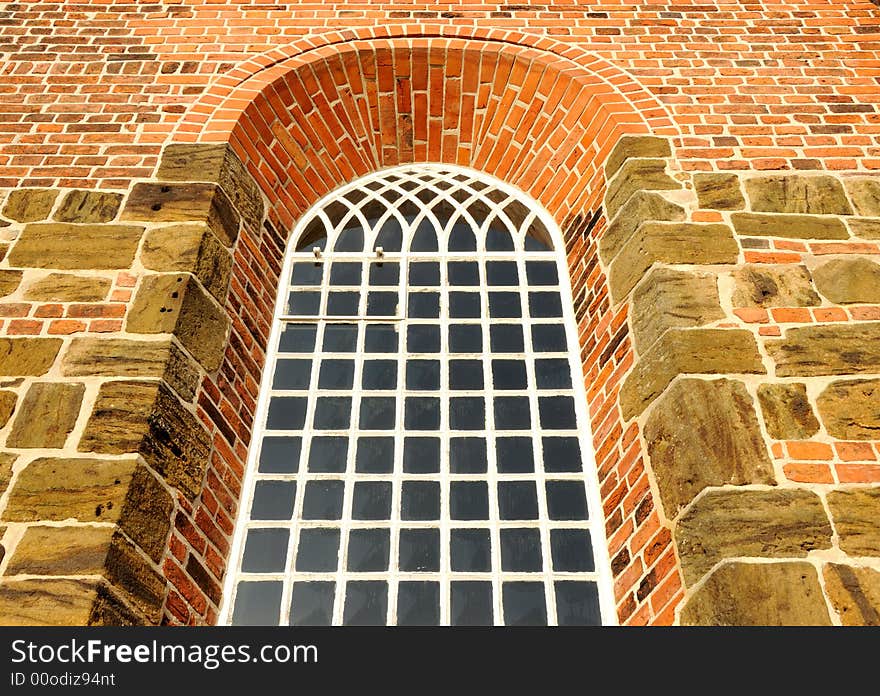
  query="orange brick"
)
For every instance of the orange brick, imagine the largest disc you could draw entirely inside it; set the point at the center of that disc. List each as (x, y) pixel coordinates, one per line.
(855, 451)
(802, 472)
(791, 315)
(858, 473)
(810, 450)
(752, 315)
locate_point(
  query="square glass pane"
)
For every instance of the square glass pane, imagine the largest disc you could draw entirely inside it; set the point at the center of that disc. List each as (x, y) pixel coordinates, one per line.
(423, 305)
(379, 375)
(366, 603)
(509, 374)
(566, 500)
(336, 374)
(545, 304)
(549, 338)
(465, 305)
(571, 550)
(465, 338)
(463, 273)
(382, 304)
(381, 338)
(332, 412)
(423, 338)
(286, 413)
(385, 273)
(504, 305)
(541, 273)
(418, 603)
(420, 500)
(577, 603)
(298, 338)
(502, 273)
(273, 500)
(318, 550)
(506, 338)
(424, 273)
(312, 603)
(553, 373)
(521, 550)
(518, 500)
(265, 551)
(469, 500)
(524, 604)
(328, 455)
(467, 455)
(372, 500)
(375, 455)
(257, 604)
(378, 413)
(280, 455)
(467, 413)
(368, 550)
(323, 500)
(466, 374)
(515, 455)
(423, 375)
(421, 413)
(304, 303)
(557, 412)
(305, 273)
(340, 338)
(561, 454)
(421, 455)
(345, 273)
(470, 550)
(419, 550)
(343, 304)
(512, 413)
(292, 374)
(471, 603)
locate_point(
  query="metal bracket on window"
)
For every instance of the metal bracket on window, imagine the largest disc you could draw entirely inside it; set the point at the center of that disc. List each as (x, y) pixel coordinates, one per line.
(380, 252)
(317, 252)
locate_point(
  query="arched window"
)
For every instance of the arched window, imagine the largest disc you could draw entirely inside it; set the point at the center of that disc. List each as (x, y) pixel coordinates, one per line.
(421, 453)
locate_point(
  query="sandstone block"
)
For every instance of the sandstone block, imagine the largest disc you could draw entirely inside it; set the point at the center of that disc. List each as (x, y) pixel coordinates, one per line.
(65, 246)
(703, 434)
(827, 350)
(866, 229)
(191, 249)
(719, 191)
(46, 602)
(855, 513)
(788, 226)
(147, 514)
(865, 195)
(46, 416)
(7, 459)
(177, 304)
(630, 146)
(854, 593)
(643, 206)
(64, 287)
(851, 410)
(88, 206)
(73, 550)
(9, 281)
(7, 405)
(787, 411)
(752, 594)
(759, 285)
(796, 193)
(730, 523)
(636, 175)
(850, 280)
(21, 357)
(29, 204)
(131, 572)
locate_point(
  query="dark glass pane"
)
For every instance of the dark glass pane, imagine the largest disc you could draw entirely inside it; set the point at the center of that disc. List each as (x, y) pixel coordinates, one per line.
(424, 273)
(312, 604)
(421, 455)
(345, 273)
(304, 303)
(323, 500)
(292, 374)
(571, 550)
(368, 550)
(265, 551)
(328, 454)
(549, 338)
(366, 603)
(463, 273)
(385, 273)
(381, 338)
(506, 338)
(498, 239)
(382, 304)
(424, 305)
(524, 604)
(422, 413)
(257, 604)
(336, 374)
(512, 413)
(424, 238)
(420, 500)
(298, 338)
(467, 455)
(273, 500)
(419, 550)
(305, 273)
(372, 500)
(390, 235)
(423, 338)
(561, 454)
(467, 413)
(418, 603)
(518, 500)
(466, 374)
(280, 455)
(509, 374)
(504, 305)
(553, 373)
(566, 500)
(502, 273)
(541, 273)
(318, 550)
(465, 338)
(340, 338)
(533, 244)
(557, 412)
(332, 412)
(423, 375)
(470, 550)
(515, 455)
(521, 550)
(375, 455)
(378, 413)
(343, 304)
(351, 238)
(577, 604)
(545, 304)
(471, 603)
(465, 305)
(469, 500)
(286, 413)
(461, 238)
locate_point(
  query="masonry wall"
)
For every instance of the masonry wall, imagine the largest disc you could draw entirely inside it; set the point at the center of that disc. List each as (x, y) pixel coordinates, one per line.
(710, 166)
